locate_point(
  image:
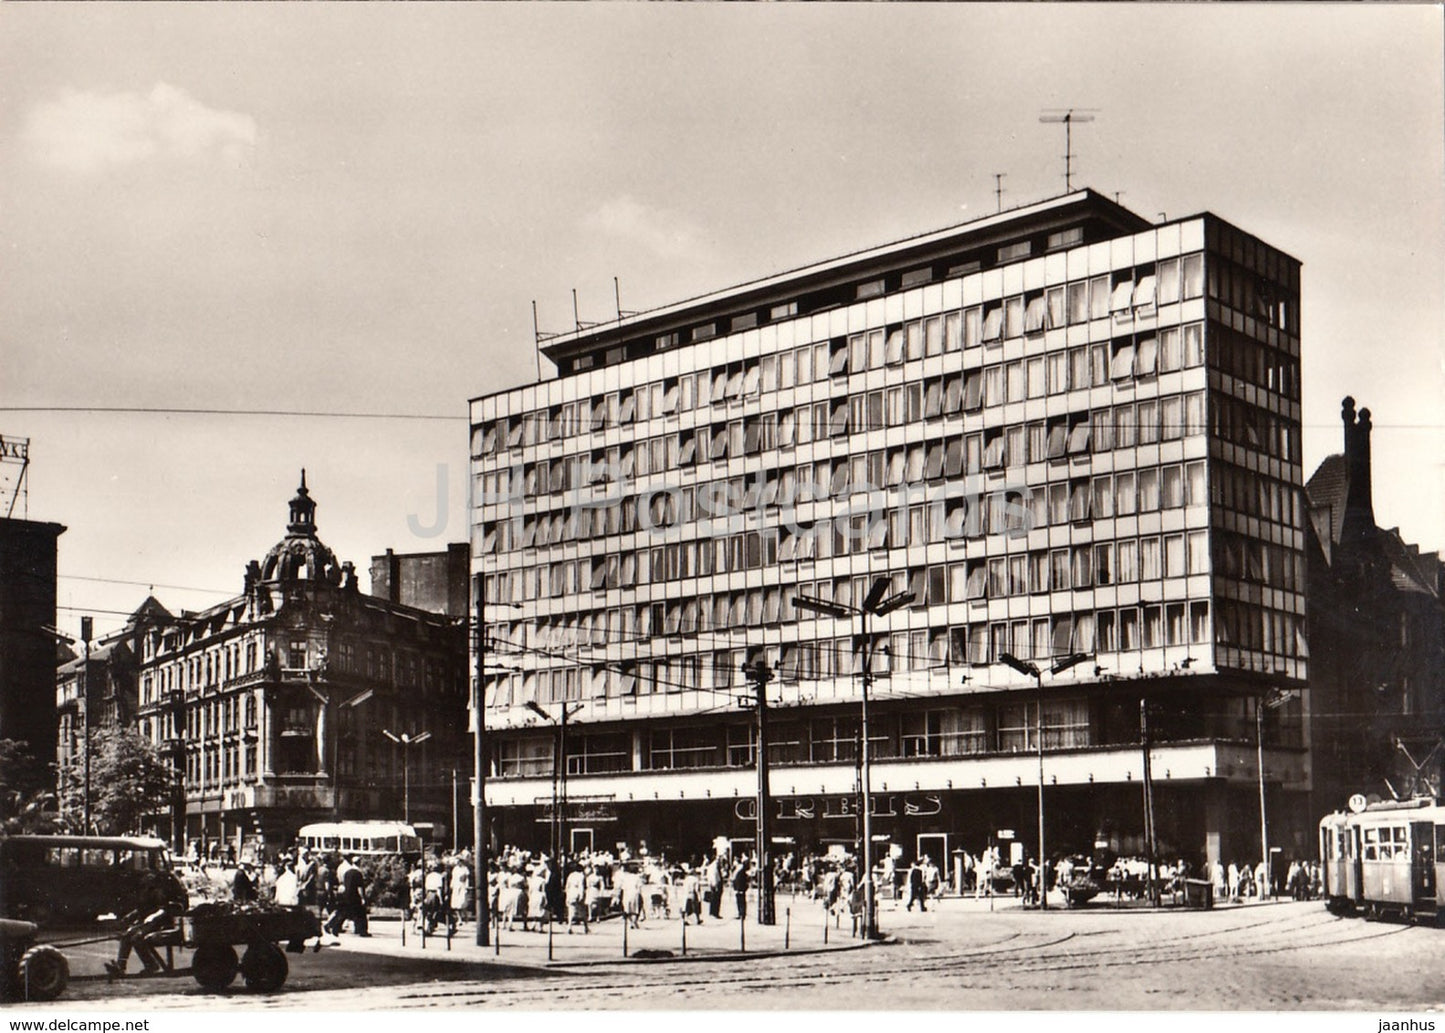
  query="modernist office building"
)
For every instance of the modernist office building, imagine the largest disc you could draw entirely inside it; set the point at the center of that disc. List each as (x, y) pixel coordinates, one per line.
(1066, 430)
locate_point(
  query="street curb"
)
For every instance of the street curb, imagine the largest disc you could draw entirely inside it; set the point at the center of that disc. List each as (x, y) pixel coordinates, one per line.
(721, 956)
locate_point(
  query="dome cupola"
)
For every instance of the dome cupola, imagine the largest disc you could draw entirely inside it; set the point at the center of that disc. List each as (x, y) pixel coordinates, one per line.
(301, 556)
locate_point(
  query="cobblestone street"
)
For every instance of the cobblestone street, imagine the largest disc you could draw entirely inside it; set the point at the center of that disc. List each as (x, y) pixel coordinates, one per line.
(959, 955)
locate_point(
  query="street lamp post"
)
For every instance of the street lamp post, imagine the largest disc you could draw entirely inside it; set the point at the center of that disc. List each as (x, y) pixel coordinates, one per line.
(1032, 669)
(406, 741)
(559, 771)
(479, 765)
(86, 631)
(877, 604)
(760, 674)
(1274, 701)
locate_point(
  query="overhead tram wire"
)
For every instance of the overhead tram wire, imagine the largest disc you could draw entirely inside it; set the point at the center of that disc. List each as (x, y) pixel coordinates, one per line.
(201, 411)
(436, 417)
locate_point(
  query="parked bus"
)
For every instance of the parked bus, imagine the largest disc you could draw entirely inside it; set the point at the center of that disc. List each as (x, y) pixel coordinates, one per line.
(360, 837)
(45, 878)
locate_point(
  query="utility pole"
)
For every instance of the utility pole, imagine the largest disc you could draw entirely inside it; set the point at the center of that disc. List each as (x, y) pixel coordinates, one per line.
(87, 629)
(760, 674)
(1272, 701)
(998, 188)
(479, 773)
(1149, 836)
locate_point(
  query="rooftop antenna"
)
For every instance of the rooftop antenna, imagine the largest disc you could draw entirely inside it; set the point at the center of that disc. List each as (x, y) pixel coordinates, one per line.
(578, 319)
(1068, 116)
(617, 297)
(998, 188)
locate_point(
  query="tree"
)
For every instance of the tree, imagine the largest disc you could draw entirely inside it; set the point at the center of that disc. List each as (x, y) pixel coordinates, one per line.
(27, 803)
(129, 779)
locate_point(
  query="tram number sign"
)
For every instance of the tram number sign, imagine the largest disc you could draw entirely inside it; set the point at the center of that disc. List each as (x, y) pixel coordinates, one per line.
(1358, 803)
(1005, 833)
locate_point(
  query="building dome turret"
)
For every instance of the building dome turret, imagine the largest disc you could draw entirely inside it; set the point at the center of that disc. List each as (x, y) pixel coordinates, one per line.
(301, 556)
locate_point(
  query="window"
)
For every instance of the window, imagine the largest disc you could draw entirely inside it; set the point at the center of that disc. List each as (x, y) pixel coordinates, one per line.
(1121, 365)
(1099, 297)
(834, 739)
(1174, 555)
(993, 323)
(1054, 308)
(1104, 563)
(1077, 303)
(1127, 570)
(1172, 487)
(993, 386)
(599, 753)
(682, 748)
(1037, 385)
(1016, 727)
(1192, 275)
(1129, 628)
(1148, 490)
(1146, 357)
(525, 757)
(1168, 273)
(1035, 312)
(1058, 372)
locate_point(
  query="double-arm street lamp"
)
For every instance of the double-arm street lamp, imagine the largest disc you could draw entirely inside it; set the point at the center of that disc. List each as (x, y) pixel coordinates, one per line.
(406, 741)
(1033, 671)
(559, 772)
(479, 762)
(1273, 701)
(877, 604)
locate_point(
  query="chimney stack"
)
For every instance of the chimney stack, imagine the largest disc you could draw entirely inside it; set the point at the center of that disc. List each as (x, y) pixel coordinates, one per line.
(1359, 519)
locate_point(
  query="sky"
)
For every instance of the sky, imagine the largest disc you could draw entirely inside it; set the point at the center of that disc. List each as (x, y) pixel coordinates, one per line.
(351, 208)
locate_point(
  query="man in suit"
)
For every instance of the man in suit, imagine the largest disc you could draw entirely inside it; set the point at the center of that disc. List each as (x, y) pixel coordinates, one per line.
(351, 899)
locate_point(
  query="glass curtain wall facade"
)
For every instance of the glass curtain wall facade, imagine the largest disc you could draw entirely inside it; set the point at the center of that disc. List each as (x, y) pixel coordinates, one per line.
(1064, 430)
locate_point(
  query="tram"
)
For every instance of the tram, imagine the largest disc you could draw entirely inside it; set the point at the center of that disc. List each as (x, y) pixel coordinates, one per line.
(1383, 859)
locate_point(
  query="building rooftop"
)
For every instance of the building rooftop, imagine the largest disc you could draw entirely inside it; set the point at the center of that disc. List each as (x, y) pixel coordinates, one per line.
(1069, 220)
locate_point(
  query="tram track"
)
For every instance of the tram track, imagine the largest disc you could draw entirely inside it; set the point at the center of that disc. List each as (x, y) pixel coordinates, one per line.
(1018, 954)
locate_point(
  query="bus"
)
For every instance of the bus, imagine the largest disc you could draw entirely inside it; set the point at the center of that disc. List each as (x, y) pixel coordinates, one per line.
(360, 837)
(49, 878)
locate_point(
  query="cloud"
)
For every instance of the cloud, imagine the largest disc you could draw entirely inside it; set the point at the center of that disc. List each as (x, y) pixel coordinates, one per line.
(87, 132)
(662, 232)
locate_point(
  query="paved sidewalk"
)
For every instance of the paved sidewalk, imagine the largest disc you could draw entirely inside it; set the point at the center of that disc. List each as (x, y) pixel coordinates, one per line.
(799, 929)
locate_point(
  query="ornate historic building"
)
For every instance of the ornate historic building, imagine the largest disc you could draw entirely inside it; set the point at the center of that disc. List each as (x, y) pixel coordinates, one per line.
(1377, 627)
(273, 704)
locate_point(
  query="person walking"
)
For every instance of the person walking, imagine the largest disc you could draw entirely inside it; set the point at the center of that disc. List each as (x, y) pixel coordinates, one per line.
(305, 878)
(691, 895)
(917, 890)
(351, 899)
(461, 890)
(243, 884)
(286, 891)
(713, 878)
(575, 891)
(740, 887)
